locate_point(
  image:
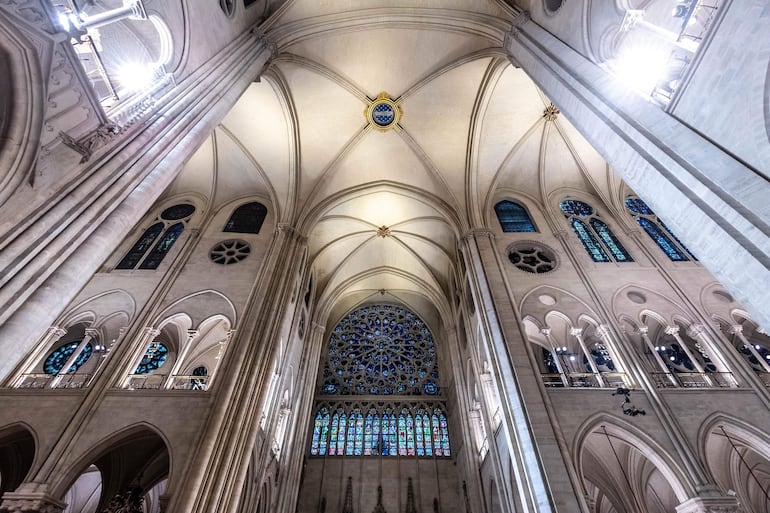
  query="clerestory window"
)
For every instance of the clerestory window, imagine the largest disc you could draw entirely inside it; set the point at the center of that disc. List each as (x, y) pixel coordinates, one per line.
(658, 231)
(596, 237)
(156, 241)
(513, 217)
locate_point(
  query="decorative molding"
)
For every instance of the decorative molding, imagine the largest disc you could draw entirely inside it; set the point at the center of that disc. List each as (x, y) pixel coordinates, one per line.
(551, 112)
(383, 231)
(92, 141)
(24, 503)
(710, 505)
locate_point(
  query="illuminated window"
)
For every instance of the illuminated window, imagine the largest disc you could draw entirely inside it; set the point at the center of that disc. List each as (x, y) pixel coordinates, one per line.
(596, 237)
(658, 231)
(513, 217)
(156, 241)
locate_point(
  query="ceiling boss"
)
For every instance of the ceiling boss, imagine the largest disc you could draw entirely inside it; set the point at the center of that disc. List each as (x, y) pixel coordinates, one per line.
(384, 113)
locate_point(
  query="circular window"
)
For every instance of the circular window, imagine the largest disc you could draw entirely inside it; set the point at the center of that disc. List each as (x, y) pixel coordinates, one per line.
(153, 359)
(230, 251)
(383, 112)
(532, 258)
(553, 5)
(636, 297)
(228, 6)
(177, 212)
(547, 299)
(56, 360)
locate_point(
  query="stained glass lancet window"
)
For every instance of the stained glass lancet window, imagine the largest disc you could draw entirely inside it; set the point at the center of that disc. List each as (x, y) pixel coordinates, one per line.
(596, 237)
(156, 241)
(379, 369)
(657, 230)
(247, 218)
(513, 217)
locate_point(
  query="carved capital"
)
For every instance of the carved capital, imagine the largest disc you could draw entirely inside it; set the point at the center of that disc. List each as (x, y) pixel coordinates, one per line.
(695, 330)
(603, 330)
(710, 505)
(150, 331)
(576, 332)
(546, 331)
(642, 330)
(92, 332)
(56, 332)
(90, 142)
(734, 330)
(473, 233)
(672, 330)
(23, 503)
(191, 334)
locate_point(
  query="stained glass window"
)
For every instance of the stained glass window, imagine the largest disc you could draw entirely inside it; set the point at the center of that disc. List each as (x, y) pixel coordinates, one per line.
(402, 434)
(58, 358)
(140, 248)
(156, 355)
(320, 432)
(409, 435)
(247, 218)
(381, 350)
(389, 440)
(513, 217)
(372, 433)
(418, 434)
(657, 230)
(335, 433)
(436, 434)
(148, 252)
(444, 433)
(593, 233)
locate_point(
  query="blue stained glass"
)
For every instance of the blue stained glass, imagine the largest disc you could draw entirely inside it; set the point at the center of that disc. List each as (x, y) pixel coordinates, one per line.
(409, 435)
(177, 212)
(444, 434)
(576, 208)
(155, 257)
(426, 434)
(418, 434)
(513, 217)
(402, 434)
(58, 358)
(156, 355)
(334, 434)
(661, 239)
(318, 447)
(380, 350)
(610, 241)
(638, 206)
(138, 250)
(589, 241)
(247, 218)
(341, 434)
(436, 434)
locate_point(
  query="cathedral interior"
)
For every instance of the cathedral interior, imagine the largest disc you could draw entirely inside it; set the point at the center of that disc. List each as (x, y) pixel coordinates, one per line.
(393, 256)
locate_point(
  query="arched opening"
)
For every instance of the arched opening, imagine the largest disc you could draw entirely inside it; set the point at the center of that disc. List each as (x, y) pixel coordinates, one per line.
(740, 463)
(17, 452)
(621, 475)
(131, 473)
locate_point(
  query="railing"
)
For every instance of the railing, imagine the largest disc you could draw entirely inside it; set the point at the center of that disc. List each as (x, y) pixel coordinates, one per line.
(694, 379)
(190, 383)
(764, 377)
(586, 380)
(35, 381)
(72, 381)
(145, 381)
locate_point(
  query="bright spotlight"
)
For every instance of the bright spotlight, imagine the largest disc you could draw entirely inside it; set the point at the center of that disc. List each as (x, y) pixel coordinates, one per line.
(135, 76)
(640, 68)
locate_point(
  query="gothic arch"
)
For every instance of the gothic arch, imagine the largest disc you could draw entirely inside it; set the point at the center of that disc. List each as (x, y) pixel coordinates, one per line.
(18, 451)
(138, 454)
(199, 306)
(609, 427)
(736, 455)
(100, 306)
(22, 107)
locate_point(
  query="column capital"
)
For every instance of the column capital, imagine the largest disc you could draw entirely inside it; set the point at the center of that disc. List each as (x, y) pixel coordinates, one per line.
(191, 334)
(92, 332)
(735, 329)
(57, 332)
(695, 330)
(576, 332)
(473, 233)
(672, 330)
(546, 331)
(30, 503)
(290, 231)
(603, 330)
(710, 505)
(643, 330)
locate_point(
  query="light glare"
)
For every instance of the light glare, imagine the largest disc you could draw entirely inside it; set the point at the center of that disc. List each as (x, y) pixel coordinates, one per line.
(640, 68)
(135, 76)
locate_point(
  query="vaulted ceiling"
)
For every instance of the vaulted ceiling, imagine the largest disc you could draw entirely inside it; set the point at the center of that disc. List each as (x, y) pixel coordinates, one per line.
(383, 210)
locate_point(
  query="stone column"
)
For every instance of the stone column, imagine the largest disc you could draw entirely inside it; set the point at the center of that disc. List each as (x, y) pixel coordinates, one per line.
(220, 354)
(698, 332)
(547, 334)
(49, 340)
(90, 334)
(737, 330)
(220, 465)
(663, 366)
(535, 453)
(604, 332)
(180, 357)
(132, 10)
(716, 204)
(148, 335)
(578, 334)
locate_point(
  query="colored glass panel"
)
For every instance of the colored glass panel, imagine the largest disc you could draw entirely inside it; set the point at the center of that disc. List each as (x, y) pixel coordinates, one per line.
(155, 257)
(153, 358)
(418, 435)
(315, 447)
(334, 434)
(177, 212)
(657, 230)
(138, 250)
(576, 208)
(610, 241)
(589, 241)
(341, 435)
(381, 350)
(402, 434)
(247, 218)
(513, 217)
(436, 434)
(351, 438)
(444, 434)
(426, 434)
(58, 358)
(409, 435)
